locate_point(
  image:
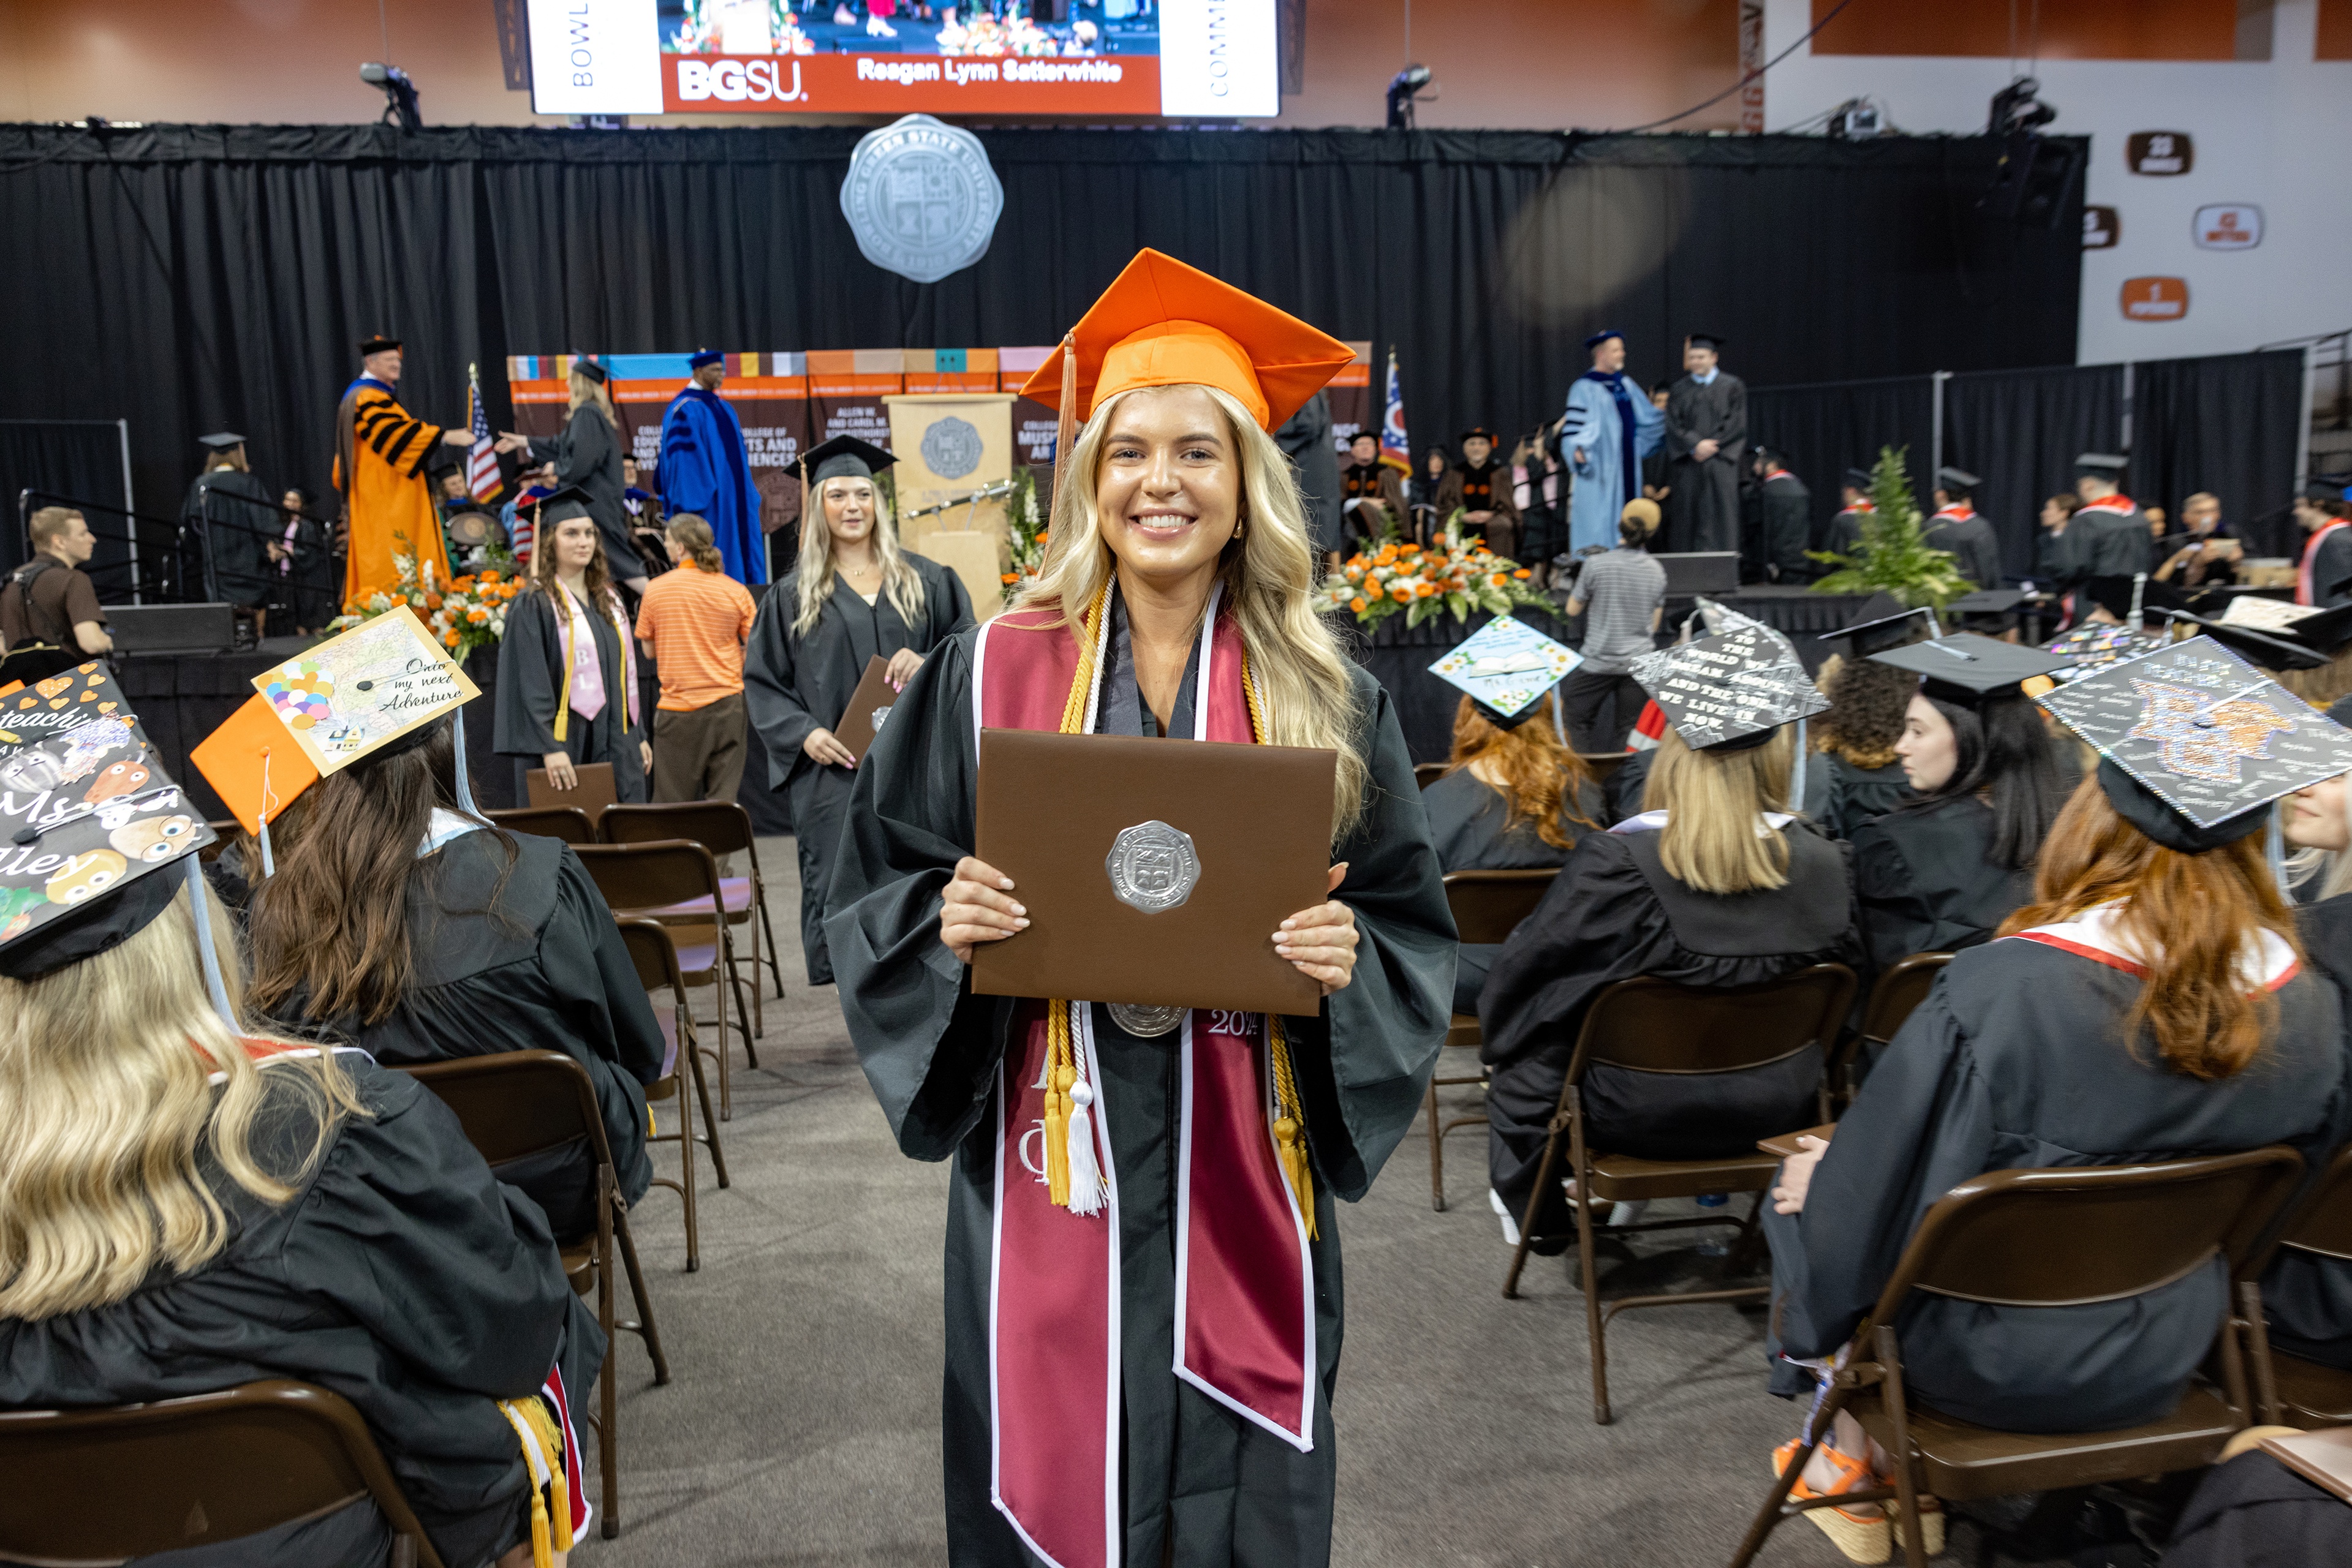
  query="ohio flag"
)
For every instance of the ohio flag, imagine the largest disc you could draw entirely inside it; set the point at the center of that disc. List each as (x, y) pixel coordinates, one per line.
(1395, 450)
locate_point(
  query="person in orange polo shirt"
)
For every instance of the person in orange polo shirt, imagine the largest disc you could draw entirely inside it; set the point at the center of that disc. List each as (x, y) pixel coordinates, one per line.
(693, 621)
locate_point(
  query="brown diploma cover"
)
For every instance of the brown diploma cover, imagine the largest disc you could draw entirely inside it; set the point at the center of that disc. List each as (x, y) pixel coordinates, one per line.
(591, 795)
(1051, 812)
(874, 695)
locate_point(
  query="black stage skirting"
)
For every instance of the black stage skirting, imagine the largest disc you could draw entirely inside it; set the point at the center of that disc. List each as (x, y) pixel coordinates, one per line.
(182, 698)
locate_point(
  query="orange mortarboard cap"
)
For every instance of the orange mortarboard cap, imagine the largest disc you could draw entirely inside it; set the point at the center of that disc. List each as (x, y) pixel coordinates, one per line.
(1161, 323)
(252, 760)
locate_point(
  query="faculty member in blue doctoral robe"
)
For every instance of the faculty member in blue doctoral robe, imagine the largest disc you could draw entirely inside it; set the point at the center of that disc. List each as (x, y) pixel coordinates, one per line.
(1608, 428)
(705, 469)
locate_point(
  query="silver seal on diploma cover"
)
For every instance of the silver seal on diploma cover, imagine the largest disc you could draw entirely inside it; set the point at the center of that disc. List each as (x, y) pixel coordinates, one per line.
(1146, 1022)
(1153, 867)
(922, 198)
(881, 715)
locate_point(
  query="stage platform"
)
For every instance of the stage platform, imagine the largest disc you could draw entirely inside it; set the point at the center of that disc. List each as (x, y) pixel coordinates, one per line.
(182, 698)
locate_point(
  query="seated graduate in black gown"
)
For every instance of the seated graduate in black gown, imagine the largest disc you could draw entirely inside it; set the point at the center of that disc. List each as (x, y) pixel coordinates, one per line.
(1713, 885)
(2308, 1298)
(1853, 774)
(2151, 1004)
(856, 594)
(400, 921)
(187, 1204)
(1512, 798)
(1942, 873)
(568, 662)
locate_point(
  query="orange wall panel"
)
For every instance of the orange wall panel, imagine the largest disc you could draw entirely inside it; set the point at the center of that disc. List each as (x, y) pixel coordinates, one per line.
(2334, 40)
(2070, 29)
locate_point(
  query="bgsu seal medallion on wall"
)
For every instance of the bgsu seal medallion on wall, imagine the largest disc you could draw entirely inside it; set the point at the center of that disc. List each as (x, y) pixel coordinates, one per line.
(922, 198)
(951, 448)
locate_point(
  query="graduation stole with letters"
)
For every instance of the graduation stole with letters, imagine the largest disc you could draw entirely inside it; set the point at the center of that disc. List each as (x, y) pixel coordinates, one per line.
(1245, 1332)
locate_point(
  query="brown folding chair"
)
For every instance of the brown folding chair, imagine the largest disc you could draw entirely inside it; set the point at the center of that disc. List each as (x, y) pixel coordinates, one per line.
(569, 823)
(1487, 907)
(1653, 1026)
(101, 1486)
(722, 827)
(1893, 997)
(648, 878)
(521, 1103)
(657, 960)
(2291, 1391)
(1427, 773)
(2128, 1230)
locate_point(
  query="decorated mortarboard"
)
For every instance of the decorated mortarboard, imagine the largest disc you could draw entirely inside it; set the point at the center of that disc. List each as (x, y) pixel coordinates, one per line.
(1730, 689)
(221, 440)
(2108, 465)
(701, 356)
(378, 686)
(589, 368)
(378, 344)
(1986, 601)
(1602, 336)
(1507, 666)
(1705, 340)
(1161, 323)
(1951, 479)
(844, 456)
(1859, 480)
(1966, 668)
(2272, 651)
(1882, 622)
(2095, 647)
(2196, 741)
(87, 815)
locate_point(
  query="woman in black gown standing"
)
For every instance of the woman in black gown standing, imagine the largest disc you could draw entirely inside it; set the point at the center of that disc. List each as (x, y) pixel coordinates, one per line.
(567, 689)
(588, 455)
(856, 595)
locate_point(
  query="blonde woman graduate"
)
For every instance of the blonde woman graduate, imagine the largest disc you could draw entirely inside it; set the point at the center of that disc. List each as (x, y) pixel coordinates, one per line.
(854, 595)
(1142, 1374)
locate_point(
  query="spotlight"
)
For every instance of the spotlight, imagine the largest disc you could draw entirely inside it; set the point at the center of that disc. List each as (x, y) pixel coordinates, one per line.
(399, 95)
(1403, 88)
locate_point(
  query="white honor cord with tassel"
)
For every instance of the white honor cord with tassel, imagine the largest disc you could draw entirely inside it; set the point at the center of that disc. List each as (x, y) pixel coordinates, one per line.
(199, 905)
(1797, 774)
(2275, 850)
(1086, 1172)
(457, 743)
(269, 864)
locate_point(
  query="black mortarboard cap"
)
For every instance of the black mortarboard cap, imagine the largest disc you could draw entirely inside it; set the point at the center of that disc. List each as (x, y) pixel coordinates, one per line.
(562, 506)
(1732, 689)
(2328, 632)
(2272, 651)
(2195, 728)
(1882, 623)
(1481, 432)
(1967, 668)
(2105, 465)
(2114, 595)
(378, 344)
(845, 455)
(221, 440)
(2319, 487)
(1601, 336)
(1859, 478)
(1986, 601)
(101, 820)
(589, 368)
(1951, 479)
(1706, 340)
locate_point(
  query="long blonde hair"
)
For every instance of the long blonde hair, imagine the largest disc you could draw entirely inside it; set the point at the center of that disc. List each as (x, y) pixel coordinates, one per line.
(108, 1118)
(1268, 578)
(1714, 802)
(901, 581)
(587, 389)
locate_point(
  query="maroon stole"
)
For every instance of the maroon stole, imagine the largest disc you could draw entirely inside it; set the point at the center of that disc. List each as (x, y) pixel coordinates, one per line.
(1244, 1304)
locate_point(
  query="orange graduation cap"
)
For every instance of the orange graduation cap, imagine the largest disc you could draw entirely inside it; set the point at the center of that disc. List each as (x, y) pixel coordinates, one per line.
(1161, 323)
(254, 765)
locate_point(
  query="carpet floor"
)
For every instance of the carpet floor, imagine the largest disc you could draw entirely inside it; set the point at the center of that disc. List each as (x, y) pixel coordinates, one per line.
(801, 1422)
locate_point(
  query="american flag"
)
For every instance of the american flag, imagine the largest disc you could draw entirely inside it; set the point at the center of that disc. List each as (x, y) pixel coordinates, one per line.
(482, 458)
(1395, 450)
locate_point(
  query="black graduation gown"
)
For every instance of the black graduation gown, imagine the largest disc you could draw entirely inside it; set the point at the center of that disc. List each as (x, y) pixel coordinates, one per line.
(2331, 570)
(1615, 913)
(540, 967)
(1702, 511)
(2017, 1059)
(530, 684)
(1307, 436)
(2307, 1297)
(588, 454)
(1927, 882)
(1465, 827)
(795, 684)
(2254, 1512)
(313, 582)
(1844, 536)
(1975, 548)
(2098, 544)
(402, 1276)
(235, 519)
(1784, 514)
(1849, 796)
(1236, 1494)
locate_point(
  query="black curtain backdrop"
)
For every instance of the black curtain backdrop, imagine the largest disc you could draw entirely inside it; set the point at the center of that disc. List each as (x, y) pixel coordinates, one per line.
(2224, 424)
(76, 458)
(198, 278)
(2021, 431)
(1820, 432)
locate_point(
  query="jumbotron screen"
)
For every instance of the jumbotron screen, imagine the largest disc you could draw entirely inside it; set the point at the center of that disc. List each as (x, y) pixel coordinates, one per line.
(1192, 59)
